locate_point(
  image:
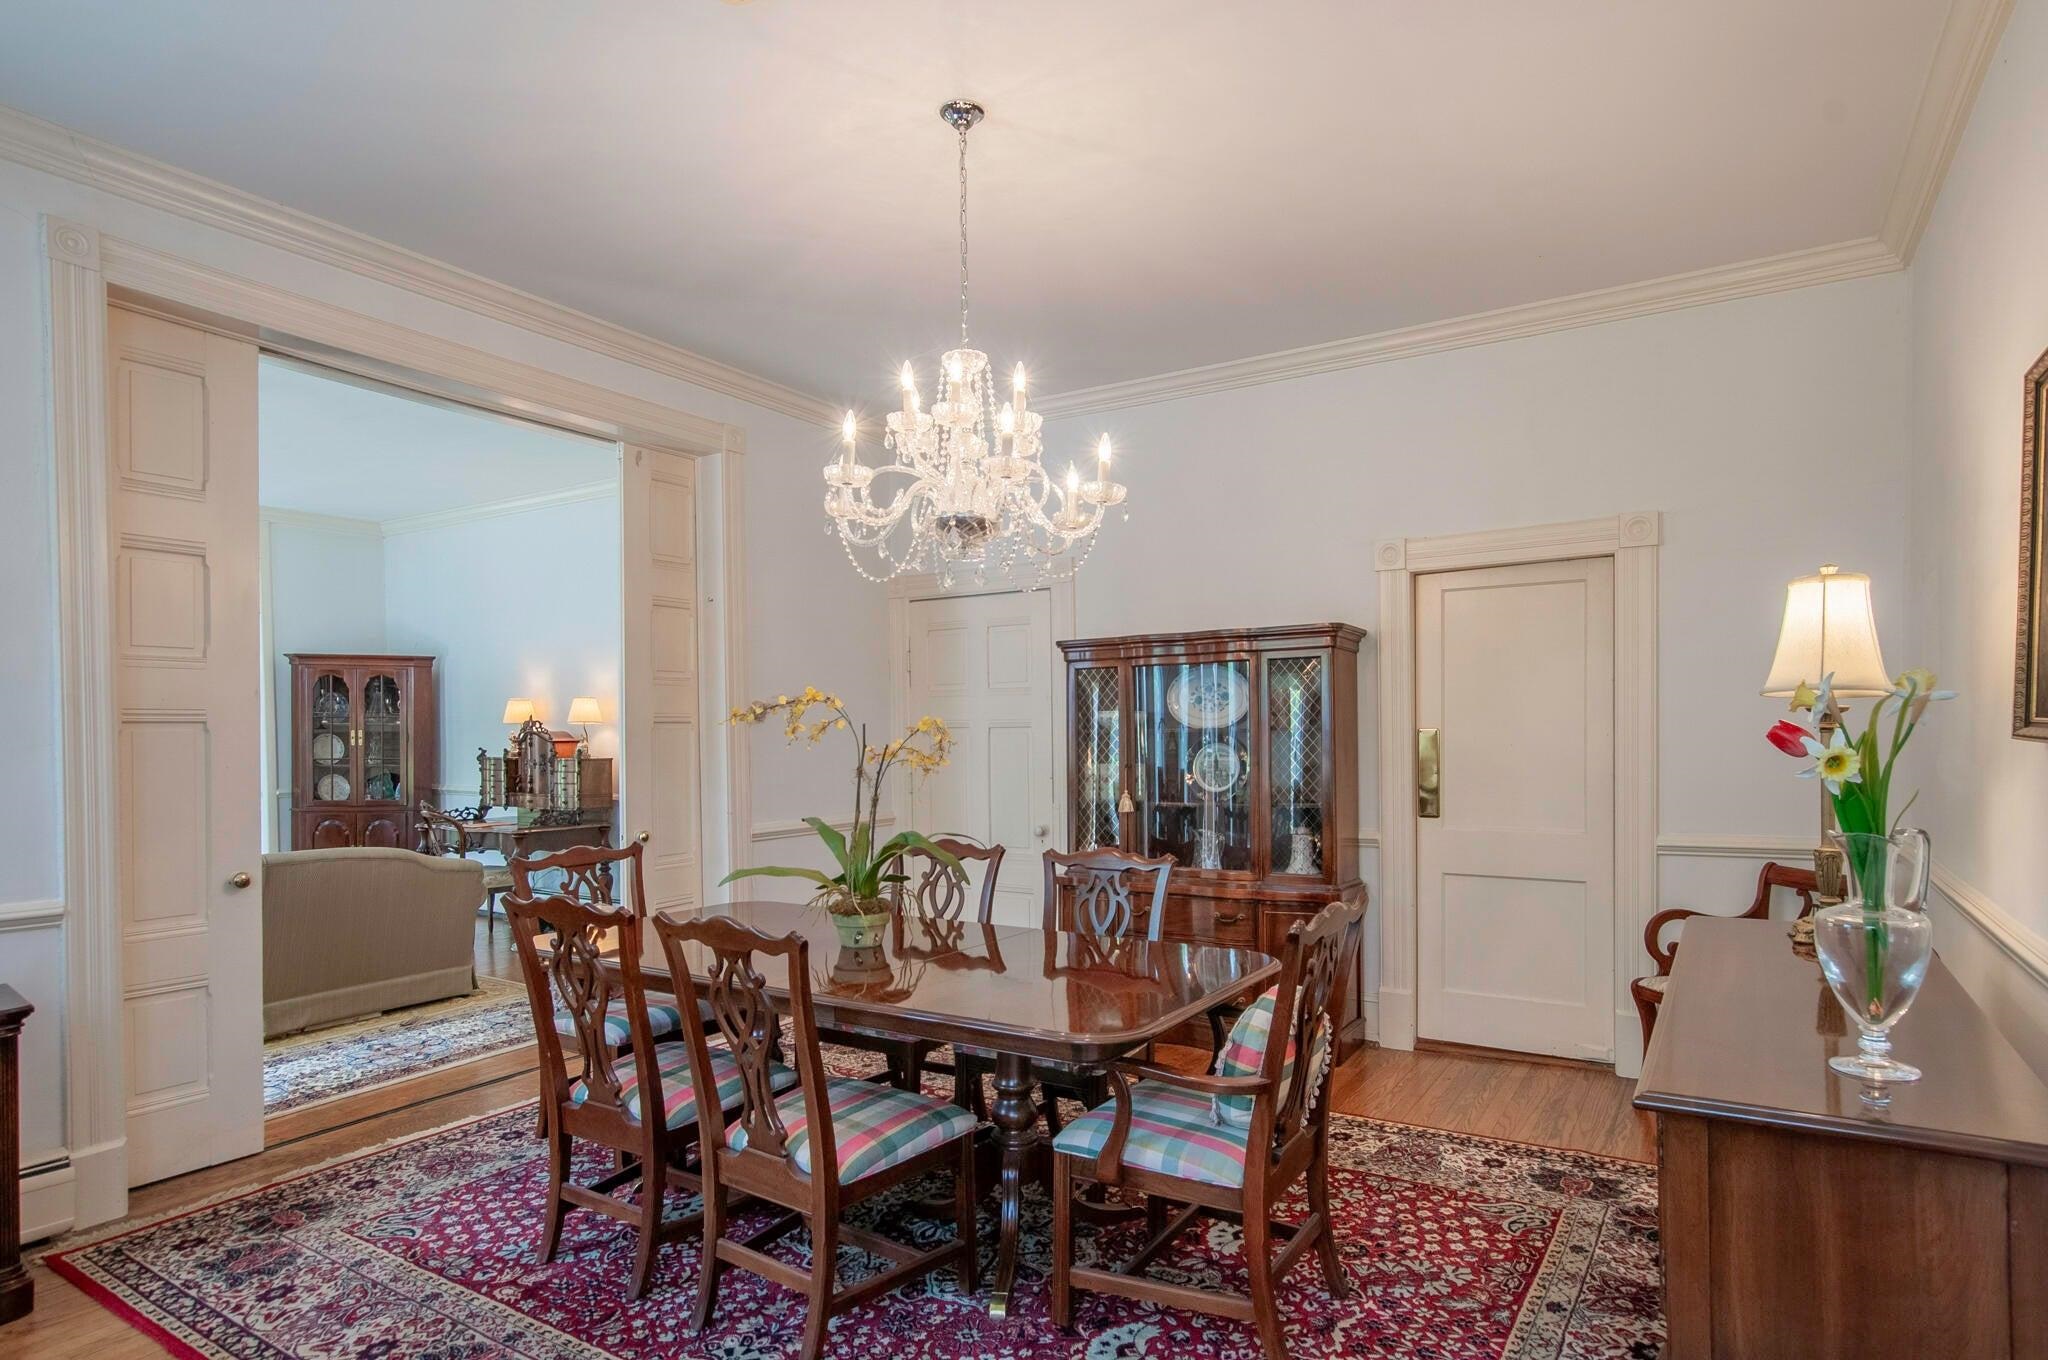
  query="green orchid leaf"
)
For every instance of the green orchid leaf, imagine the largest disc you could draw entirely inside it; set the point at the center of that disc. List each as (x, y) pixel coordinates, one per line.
(829, 834)
(817, 876)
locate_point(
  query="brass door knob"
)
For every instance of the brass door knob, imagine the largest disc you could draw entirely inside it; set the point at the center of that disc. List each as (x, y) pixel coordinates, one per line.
(643, 837)
(240, 880)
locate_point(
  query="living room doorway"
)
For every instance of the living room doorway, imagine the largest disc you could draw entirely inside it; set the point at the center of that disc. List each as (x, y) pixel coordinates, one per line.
(440, 588)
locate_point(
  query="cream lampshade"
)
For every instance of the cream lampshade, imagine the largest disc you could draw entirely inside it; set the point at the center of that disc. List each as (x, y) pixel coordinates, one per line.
(518, 712)
(584, 709)
(1828, 627)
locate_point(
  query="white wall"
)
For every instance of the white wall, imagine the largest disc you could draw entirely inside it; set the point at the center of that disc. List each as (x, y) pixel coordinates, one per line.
(1262, 505)
(546, 625)
(326, 595)
(1980, 319)
(807, 613)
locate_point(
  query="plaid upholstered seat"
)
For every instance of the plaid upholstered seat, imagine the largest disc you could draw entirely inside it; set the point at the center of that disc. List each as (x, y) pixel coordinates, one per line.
(677, 1092)
(1173, 1132)
(663, 1019)
(873, 1127)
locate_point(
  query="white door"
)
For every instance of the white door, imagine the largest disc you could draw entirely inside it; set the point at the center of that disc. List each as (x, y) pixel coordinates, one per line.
(182, 444)
(1514, 669)
(983, 663)
(659, 732)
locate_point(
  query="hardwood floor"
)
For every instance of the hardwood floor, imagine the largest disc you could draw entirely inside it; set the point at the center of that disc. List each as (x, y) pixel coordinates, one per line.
(1554, 1105)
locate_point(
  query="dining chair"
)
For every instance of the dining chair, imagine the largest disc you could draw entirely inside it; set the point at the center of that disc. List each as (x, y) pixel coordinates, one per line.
(1101, 892)
(931, 891)
(638, 1100)
(814, 1150)
(1230, 1145)
(589, 874)
(1649, 991)
(443, 832)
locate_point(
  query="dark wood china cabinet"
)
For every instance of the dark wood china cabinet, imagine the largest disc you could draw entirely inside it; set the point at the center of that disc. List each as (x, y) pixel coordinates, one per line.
(364, 748)
(1236, 752)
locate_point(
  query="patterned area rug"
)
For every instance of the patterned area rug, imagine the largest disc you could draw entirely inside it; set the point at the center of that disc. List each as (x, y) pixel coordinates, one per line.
(1459, 1248)
(324, 1064)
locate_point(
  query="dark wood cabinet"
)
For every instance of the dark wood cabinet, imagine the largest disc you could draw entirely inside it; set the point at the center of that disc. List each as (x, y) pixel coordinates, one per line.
(364, 748)
(1236, 752)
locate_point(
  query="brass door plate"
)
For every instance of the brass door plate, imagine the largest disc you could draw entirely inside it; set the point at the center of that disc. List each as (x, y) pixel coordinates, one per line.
(1429, 801)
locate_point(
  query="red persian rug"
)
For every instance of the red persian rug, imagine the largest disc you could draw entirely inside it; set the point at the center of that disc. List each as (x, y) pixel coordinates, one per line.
(1460, 1248)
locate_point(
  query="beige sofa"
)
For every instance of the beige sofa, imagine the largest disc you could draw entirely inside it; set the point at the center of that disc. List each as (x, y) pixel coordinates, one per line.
(354, 932)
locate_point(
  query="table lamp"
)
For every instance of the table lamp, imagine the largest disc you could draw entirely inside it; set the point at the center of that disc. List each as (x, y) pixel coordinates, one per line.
(1829, 628)
(584, 710)
(518, 712)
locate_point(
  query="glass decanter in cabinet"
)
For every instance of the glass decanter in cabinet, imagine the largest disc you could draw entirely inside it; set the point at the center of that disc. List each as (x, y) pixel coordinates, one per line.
(1234, 751)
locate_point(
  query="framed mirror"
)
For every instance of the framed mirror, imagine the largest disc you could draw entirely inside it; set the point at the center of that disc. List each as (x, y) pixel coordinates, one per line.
(2030, 670)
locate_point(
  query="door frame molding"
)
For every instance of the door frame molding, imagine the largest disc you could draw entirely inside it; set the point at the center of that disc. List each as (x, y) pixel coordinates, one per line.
(87, 271)
(1631, 540)
(926, 586)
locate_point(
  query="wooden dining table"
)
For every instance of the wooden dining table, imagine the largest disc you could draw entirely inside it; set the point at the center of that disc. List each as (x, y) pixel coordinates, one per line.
(1018, 992)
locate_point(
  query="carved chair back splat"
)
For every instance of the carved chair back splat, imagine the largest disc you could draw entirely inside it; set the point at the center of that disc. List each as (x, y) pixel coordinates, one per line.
(1101, 892)
(934, 891)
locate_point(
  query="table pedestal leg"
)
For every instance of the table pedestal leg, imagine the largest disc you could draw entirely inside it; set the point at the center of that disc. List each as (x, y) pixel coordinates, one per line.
(1016, 1121)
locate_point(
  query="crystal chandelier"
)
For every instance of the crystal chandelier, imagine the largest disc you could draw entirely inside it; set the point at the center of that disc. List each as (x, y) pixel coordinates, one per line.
(966, 490)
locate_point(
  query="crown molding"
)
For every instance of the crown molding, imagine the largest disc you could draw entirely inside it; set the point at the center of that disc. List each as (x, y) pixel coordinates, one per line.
(1969, 37)
(516, 505)
(1723, 283)
(436, 519)
(57, 150)
(343, 525)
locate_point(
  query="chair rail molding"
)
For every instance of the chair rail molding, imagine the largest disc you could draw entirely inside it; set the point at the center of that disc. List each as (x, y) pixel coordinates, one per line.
(87, 270)
(1632, 541)
(58, 150)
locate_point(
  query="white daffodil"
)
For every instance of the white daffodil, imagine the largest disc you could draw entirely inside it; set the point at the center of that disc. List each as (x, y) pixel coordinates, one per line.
(1834, 764)
(1916, 689)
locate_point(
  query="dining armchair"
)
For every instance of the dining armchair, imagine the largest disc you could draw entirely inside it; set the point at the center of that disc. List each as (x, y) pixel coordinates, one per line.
(1231, 1145)
(931, 891)
(1649, 991)
(814, 1149)
(636, 1099)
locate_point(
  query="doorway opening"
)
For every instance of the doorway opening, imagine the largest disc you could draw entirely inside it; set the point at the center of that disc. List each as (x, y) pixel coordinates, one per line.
(433, 577)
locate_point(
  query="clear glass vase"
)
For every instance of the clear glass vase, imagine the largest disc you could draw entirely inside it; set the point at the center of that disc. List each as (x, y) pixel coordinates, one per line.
(1875, 960)
(1888, 871)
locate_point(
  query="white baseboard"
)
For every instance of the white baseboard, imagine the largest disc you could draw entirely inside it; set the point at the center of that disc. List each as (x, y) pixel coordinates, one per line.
(49, 1200)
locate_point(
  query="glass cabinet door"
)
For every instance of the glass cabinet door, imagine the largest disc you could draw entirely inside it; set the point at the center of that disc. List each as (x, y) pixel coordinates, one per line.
(1099, 795)
(1194, 764)
(1296, 699)
(330, 737)
(383, 738)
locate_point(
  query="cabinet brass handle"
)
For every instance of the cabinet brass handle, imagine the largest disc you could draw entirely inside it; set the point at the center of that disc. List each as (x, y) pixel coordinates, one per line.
(1229, 918)
(1429, 770)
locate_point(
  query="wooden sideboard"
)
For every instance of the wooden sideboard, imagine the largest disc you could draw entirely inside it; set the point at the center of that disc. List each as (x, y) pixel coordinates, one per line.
(17, 1290)
(1236, 752)
(1800, 1221)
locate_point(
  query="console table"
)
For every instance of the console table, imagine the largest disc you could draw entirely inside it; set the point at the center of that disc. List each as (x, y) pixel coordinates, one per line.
(17, 1290)
(1801, 1220)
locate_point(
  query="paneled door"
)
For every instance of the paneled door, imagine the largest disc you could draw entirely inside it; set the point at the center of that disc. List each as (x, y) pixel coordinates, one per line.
(1514, 677)
(182, 441)
(983, 663)
(660, 727)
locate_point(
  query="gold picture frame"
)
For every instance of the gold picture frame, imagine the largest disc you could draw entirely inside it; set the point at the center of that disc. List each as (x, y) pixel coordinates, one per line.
(2030, 657)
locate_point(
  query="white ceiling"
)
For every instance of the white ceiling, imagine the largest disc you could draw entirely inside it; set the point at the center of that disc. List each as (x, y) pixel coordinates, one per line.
(1160, 183)
(330, 447)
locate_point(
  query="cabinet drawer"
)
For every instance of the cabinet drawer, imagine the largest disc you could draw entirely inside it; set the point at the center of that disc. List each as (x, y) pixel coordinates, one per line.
(1211, 920)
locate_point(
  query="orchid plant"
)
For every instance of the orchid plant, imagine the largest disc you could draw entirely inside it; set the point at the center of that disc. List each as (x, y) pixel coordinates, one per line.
(865, 869)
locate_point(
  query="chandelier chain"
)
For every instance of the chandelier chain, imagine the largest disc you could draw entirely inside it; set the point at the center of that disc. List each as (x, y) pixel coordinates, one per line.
(963, 237)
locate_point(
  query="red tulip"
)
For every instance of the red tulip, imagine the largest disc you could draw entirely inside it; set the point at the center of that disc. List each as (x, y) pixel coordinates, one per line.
(1789, 737)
